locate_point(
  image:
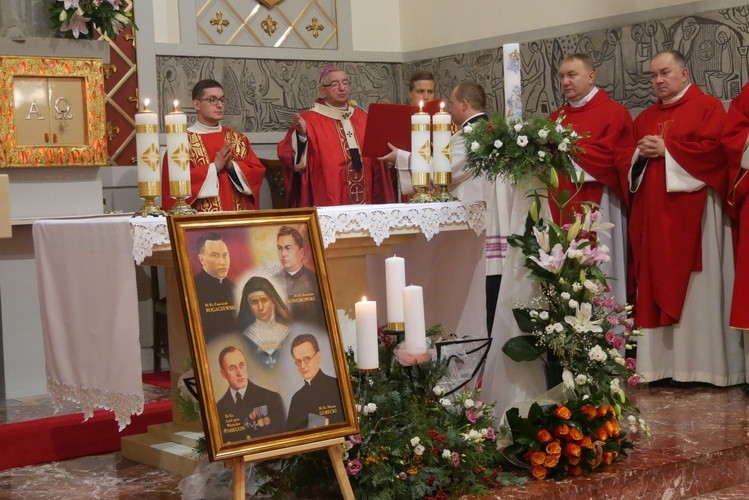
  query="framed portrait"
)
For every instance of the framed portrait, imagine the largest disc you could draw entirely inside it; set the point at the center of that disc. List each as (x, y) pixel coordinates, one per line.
(264, 335)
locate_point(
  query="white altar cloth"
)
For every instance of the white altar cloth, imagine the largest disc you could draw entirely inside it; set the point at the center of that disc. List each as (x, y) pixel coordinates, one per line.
(89, 313)
(90, 326)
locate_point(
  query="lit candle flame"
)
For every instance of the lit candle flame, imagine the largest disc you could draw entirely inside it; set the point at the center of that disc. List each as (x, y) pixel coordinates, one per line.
(145, 104)
(176, 105)
(364, 299)
(442, 106)
(421, 105)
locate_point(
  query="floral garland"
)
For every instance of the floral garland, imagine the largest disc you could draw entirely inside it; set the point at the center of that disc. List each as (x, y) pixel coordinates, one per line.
(82, 17)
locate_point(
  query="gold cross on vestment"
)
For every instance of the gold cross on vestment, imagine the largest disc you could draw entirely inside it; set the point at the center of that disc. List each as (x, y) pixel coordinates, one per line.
(219, 22)
(315, 27)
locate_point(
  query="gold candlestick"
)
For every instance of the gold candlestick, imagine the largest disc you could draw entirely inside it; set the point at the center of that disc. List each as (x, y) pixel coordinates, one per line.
(420, 183)
(149, 191)
(442, 180)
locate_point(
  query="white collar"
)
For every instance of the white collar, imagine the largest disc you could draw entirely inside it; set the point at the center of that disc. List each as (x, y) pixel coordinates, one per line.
(585, 100)
(677, 96)
(201, 128)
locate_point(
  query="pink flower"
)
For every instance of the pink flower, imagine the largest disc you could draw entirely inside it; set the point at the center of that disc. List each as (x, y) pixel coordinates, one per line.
(609, 303)
(551, 262)
(619, 343)
(597, 301)
(610, 337)
(76, 24)
(115, 4)
(355, 439)
(471, 416)
(618, 307)
(612, 320)
(633, 380)
(403, 476)
(630, 363)
(455, 458)
(353, 467)
(490, 434)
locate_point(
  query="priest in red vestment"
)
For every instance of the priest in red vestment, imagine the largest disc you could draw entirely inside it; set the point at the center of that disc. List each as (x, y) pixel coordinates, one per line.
(225, 174)
(321, 156)
(680, 236)
(606, 127)
(734, 139)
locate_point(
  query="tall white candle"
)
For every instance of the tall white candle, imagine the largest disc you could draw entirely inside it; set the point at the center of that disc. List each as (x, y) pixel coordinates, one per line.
(367, 357)
(512, 67)
(421, 150)
(395, 282)
(441, 135)
(413, 305)
(147, 151)
(178, 151)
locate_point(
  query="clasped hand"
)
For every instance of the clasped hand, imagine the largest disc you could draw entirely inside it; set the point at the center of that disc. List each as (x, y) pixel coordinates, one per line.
(651, 146)
(223, 158)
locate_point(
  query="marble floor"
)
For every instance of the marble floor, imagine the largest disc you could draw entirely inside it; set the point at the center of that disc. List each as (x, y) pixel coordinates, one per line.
(699, 449)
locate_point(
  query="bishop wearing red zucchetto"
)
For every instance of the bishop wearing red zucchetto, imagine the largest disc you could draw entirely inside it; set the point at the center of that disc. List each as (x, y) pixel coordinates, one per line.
(321, 152)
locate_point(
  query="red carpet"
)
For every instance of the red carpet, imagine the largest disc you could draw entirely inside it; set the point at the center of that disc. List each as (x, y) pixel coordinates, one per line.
(67, 436)
(162, 379)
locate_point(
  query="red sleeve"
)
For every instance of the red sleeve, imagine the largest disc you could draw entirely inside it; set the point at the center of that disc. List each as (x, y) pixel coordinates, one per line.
(733, 138)
(253, 171)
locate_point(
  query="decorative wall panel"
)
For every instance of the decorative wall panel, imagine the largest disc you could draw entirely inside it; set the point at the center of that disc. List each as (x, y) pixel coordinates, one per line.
(301, 24)
(263, 94)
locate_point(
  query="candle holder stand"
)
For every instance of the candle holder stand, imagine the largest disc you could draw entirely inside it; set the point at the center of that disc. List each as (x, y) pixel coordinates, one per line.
(442, 180)
(181, 207)
(149, 191)
(420, 182)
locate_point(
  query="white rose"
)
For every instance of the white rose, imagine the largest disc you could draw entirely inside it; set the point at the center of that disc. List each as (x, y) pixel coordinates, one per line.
(543, 133)
(415, 440)
(468, 403)
(371, 408)
(467, 129)
(522, 141)
(576, 287)
(475, 146)
(562, 147)
(533, 314)
(558, 327)
(544, 315)
(597, 354)
(573, 304)
(542, 154)
(445, 402)
(518, 127)
(447, 454)
(590, 285)
(438, 390)
(419, 450)
(559, 127)
(565, 296)
(581, 379)
(498, 144)
(358, 408)
(549, 329)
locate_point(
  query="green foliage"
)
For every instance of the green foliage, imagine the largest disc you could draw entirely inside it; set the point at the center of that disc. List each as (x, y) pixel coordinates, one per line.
(83, 16)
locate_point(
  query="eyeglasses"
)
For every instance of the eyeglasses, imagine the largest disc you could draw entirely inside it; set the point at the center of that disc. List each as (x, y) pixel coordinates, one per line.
(214, 100)
(337, 85)
(304, 360)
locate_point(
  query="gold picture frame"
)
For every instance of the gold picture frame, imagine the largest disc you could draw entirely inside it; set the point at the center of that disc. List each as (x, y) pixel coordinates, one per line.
(52, 112)
(257, 330)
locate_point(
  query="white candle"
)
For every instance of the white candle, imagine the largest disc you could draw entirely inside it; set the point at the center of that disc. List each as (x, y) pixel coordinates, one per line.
(413, 305)
(512, 65)
(441, 135)
(421, 150)
(395, 282)
(147, 145)
(177, 148)
(367, 357)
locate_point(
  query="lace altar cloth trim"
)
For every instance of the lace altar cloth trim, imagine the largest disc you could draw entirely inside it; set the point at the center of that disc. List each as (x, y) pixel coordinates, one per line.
(380, 220)
(122, 405)
(147, 233)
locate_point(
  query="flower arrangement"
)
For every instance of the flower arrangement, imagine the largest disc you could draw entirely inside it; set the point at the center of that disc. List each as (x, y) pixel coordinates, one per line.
(573, 322)
(415, 442)
(521, 149)
(82, 17)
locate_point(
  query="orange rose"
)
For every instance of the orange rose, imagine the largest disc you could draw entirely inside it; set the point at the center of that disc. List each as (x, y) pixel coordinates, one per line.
(608, 457)
(551, 461)
(574, 460)
(589, 411)
(615, 454)
(539, 472)
(602, 434)
(586, 442)
(576, 434)
(538, 457)
(576, 470)
(553, 448)
(544, 436)
(572, 450)
(561, 431)
(563, 412)
(615, 425)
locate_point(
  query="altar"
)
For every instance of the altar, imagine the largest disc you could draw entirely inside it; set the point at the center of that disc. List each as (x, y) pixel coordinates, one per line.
(86, 265)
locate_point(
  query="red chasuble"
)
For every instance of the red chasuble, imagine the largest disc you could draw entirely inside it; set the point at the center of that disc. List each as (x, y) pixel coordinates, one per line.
(665, 229)
(330, 178)
(203, 149)
(608, 149)
(735, 134)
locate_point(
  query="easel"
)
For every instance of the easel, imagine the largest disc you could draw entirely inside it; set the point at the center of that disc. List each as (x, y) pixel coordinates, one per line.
(334, 450)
